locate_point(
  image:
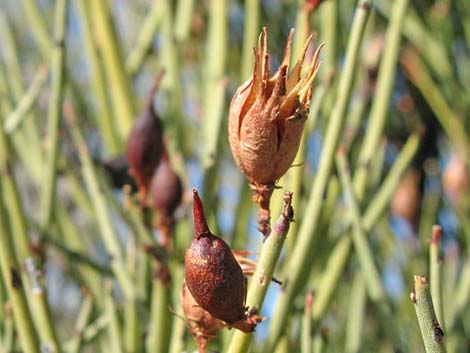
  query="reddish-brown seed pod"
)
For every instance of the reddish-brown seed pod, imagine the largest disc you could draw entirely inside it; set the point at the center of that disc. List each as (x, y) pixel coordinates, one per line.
(145, 143)
(166, 189)
(214, 277)
(166, 192)
(456, 179)
(406, 199)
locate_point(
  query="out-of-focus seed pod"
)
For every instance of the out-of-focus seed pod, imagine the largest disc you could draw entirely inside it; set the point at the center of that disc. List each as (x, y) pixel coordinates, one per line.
(456, 179)
(202, 325)
(310, 6)
(117, 170)
(214, 277)
(406, 200)
(166, 192)
(266, 120)
(144, 147)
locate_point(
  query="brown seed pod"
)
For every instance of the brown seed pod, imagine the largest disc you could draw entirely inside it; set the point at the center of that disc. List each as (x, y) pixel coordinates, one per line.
(214, 277)
(145, 143)
(202, 325)
(117, 169)
(406, 199)
(266, 120)
(456, 179)
(166, 192)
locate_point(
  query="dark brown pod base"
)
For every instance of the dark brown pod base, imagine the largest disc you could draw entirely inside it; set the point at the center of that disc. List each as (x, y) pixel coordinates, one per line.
(214, 277)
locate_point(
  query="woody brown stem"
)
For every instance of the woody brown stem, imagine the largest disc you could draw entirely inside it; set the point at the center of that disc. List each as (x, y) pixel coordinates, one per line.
(262, 196)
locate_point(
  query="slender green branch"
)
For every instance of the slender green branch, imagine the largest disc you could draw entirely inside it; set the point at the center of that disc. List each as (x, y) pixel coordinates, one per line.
(76, 343)
(14, 119)
(418, 75)
(98, 198)
(250, 33)
(435, 270)
(158, 337)
(306, 334)
(364, 253)
(183, 18)
(430, 328)
(12, 280)
(298, 267)
(118, 81)
(264, 272)
(356, 315)
(54, 114)
(340, 253)
(114, 326)
(135, 59)
(12, 61)
(104, 115)
(383, 94)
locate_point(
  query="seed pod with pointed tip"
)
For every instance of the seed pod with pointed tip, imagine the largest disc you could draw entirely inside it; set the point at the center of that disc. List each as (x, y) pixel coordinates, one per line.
(145, 143)
(214, 277)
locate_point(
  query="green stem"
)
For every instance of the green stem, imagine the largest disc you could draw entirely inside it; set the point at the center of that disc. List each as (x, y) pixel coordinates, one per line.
(264, 272)
(114, 326)
(16, 117)
(340, 254)
(135, 59)
(104, 114)
(54, 114)
(306, 334)
(383, 93)
(76, 343)
(119, 83)
(38, 26)
(435, 269)
(431, 92)
(298, 267)
(214, 91)
(183, 18)
(250, 33)
(430, 329)
(12, 280)
(364, 253)
(100, 205)
(356, 315)
(12, 61)
(158, 336)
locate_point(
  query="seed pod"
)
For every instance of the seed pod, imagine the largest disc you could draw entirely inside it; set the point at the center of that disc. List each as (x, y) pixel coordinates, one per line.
(166, 193)
(145, 144)
(214, 277)
(406, 199)
(456, 179)
(202, 325)
(267, 118)
(117, 169)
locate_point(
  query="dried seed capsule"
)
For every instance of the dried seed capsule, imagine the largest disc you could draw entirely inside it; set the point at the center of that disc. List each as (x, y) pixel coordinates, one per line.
(202, 325)
(214, 277)
(266, 120)
(145, 144)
